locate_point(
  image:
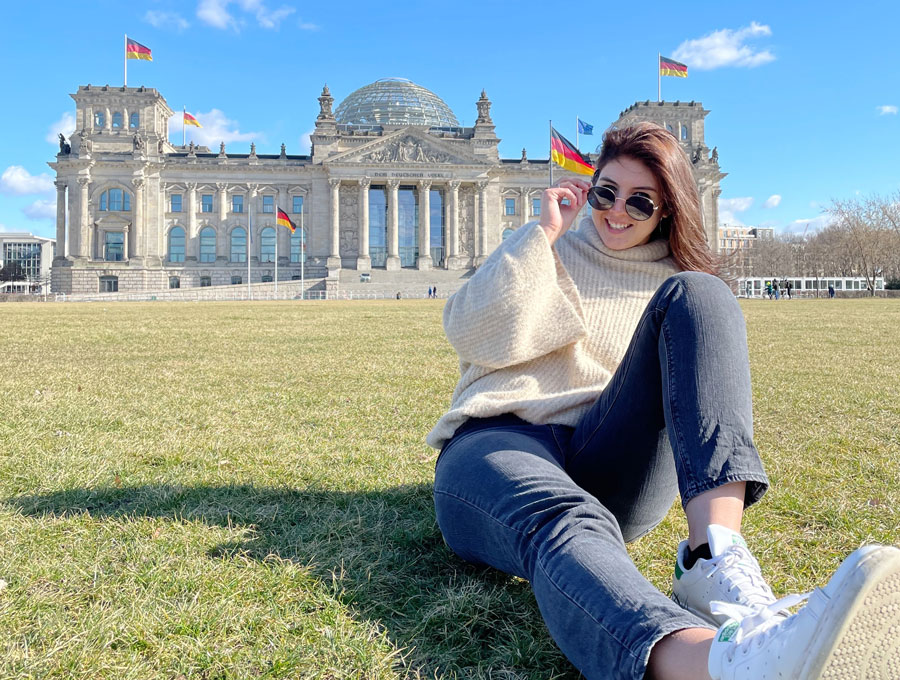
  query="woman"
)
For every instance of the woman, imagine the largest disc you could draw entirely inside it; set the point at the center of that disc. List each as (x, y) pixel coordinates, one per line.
(604, 370)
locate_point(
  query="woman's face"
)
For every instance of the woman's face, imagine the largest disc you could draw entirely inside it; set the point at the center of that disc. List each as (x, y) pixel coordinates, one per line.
(617, 229)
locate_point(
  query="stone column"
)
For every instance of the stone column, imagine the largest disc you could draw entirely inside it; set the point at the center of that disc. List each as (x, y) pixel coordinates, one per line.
(480, 223)
(364, 260)
(453, 259)
(126, 236)
(252, 193)
(60, 220)
(82, 247)
(135, 248)
(334, 249)
(190, 246)
(424, 262)
(221, 230)
(393, 227)
(283, 234)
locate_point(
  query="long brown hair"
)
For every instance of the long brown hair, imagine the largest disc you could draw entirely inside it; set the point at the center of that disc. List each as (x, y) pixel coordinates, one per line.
(681, 223)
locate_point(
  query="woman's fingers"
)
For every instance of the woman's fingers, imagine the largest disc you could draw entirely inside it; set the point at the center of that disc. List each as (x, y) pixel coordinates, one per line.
(560, 205)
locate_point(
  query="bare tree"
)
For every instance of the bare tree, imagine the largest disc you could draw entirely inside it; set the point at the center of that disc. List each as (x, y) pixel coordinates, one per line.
(863, 224)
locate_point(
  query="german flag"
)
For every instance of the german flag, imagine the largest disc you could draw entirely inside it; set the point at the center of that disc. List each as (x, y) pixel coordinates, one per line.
(134, 50)
(670, 67)
(190, 120)
(564, 153)
(282, 220)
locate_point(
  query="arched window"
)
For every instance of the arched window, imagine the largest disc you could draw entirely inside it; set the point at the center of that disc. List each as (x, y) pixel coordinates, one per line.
(507, 233)
(205, 281)
(115, 199)
(266, 278)
(238, 244)
(174, 282)
(99, 119)
(134, 121)
(669, 128)
(207, 244)
(176, 244)
(117, 120)
(298, 247)
(684, 132)
(267, 245)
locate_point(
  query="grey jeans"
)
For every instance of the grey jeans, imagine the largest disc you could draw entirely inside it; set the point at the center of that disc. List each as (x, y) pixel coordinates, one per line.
(555, 504)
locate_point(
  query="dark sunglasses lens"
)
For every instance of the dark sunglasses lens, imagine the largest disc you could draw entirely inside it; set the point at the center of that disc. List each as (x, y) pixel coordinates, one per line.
(639, 207)
(601, 198)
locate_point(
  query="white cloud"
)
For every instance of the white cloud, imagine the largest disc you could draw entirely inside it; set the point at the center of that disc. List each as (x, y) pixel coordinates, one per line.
(729, 206)
(65, 125)
(41, 210)
(17, 181)
(3, 227)
(217, 13)
(307, 26)
(887, 109)
(772, 201)
(306, 142)
(166, 20)
(217, 128)
(725, 47)
(800, 226)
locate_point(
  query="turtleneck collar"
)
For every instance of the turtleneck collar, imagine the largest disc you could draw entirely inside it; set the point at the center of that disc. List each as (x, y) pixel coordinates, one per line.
(649, 252)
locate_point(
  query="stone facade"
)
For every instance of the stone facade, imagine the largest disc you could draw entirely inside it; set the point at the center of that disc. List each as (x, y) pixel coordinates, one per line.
(136, 213)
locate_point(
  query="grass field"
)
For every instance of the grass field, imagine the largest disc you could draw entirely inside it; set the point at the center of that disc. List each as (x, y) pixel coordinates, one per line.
(242, 490)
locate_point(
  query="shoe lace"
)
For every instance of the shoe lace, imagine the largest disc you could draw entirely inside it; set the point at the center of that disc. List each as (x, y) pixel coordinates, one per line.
(740, 571)
(757, 624)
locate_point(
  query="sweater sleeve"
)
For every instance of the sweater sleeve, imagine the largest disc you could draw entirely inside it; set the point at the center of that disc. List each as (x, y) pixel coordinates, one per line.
(519, 305)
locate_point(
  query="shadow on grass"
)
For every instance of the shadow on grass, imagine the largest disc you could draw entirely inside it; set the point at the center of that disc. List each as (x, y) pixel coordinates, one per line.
(380, 552)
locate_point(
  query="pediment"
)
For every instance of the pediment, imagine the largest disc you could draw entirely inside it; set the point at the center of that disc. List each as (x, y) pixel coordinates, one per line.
(407, 148)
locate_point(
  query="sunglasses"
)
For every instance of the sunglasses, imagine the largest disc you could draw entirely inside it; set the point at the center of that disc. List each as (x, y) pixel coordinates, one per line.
(638, 207)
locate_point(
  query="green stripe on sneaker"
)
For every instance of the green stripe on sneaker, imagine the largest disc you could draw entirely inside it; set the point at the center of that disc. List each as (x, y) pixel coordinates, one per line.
(679, 572)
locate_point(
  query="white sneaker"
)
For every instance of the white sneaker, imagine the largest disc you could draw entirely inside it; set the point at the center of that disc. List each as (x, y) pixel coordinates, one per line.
(732, 575)
(848, 630)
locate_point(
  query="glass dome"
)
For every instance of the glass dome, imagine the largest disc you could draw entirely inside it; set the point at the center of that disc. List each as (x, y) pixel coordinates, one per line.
(394, 101)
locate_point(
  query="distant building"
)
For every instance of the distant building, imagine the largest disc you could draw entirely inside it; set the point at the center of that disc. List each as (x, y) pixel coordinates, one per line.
(393, 182)
(736, 245)
(33, 257)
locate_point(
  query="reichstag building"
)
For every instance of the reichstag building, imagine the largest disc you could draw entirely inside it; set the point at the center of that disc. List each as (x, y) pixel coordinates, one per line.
(393, 182)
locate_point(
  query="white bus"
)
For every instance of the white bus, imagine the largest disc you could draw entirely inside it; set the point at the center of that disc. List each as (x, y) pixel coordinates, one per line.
(803, 286)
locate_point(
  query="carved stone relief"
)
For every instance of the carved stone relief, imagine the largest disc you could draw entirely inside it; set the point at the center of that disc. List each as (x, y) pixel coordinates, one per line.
(407, 150)
(467, 221)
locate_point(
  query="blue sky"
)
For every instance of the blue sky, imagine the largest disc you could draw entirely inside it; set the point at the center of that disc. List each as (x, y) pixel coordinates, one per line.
(803, 97)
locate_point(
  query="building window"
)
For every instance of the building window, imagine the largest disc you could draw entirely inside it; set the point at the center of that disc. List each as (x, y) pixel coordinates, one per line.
(24, 259)
(206, 203)
(114, 246)
(510, 208)
(116, 200)
(237, 203)
(134, 121)
(109, 284)
(238, 245)
(176, 245)
(377, 226)
(298, 248)
(236, 280)
(175, 204)
(207, 244)
(174, 282)
(267, 278)
(205, 281)
(669, 128)
(297, 206)
(99, 119)
(408, 225)
(536, 207)
(268, 204)
(117, 120)
(684, 132)
(267, 245)
(436, 238)
(506, 234)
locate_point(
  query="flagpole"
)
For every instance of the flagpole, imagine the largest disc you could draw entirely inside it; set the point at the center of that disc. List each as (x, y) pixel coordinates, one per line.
(302, 254)
(276, 252)
(249, 243)
(125, 54)
(551, 153)
(658, 78)
(183, 111)
(577, 144)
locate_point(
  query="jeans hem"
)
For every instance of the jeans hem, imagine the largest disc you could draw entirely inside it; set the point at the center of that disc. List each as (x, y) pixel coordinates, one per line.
(757, 486)
(641, 663)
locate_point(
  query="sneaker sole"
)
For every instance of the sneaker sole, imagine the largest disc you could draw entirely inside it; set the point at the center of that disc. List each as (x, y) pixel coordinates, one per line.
(859, 635)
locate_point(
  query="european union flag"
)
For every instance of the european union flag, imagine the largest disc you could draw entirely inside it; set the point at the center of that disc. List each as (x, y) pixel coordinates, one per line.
(585, 128)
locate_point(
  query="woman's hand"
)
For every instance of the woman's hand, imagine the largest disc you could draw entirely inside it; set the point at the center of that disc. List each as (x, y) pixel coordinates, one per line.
(556, 216)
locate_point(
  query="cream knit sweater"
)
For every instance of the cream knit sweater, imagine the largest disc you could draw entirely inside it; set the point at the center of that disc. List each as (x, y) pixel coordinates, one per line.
(540, 330)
